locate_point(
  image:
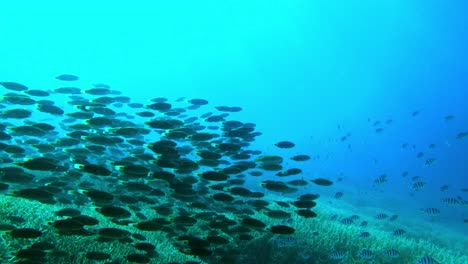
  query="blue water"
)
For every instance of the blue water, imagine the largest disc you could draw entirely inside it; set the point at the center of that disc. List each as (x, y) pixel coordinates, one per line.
(306, 71)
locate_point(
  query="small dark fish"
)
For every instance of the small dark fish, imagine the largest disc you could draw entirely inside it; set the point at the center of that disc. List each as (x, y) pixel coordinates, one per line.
(214, 176)
(30, 253)
(449, 117)
(14, 86)
(322, 182)
(139, 258)
(43, 246)
(98, 256)
(252, 222)
(35, 194)
(145, 246)
(281, 230)
(462, 135)
(38, 93)
(114, 211)
(68, 224)
(298, 182)
(7, 227)
(68, 212)
(308, 196)
(86, 220)
(223, 197)
(285, 144)
(289, 172)
(50, 109)
(198, 101)
(16, 113)
(304, 204)
(98, 91)
(338, 195)
(67, 77)
(306, 213)
(301, 158)
(113, 233)
(160, 106)
(93, 169)
(25, 233)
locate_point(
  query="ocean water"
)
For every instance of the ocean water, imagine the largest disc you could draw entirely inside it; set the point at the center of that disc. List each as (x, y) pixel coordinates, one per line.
(362, 87)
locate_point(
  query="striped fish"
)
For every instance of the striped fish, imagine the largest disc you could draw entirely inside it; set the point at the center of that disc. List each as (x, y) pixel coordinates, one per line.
(364, 235)
(399, 232)
(429, 162)
(427, 260)
(347, 221)
(393, 218)
(337, 255)
(381, 216)
(381, 179)
(430, 211)
(392, 253)
(354, 217)
(365, 254)
(451, 201)
(418, 185)
(444, 188)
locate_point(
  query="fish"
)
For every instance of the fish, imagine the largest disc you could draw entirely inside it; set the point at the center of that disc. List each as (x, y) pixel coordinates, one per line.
(281, 230)
(430, 161)
(285, 144)
(365, 254)
(67, 77)
(338, 195)
(322, 182)
(451, 201)
(14, 86)
(364, 235)
(301, 157)
(430, 211)
(381, 179)
(426, 260)
(337, 255)
(97, 256)
(419, 185)
(399, 232)
(392, 253)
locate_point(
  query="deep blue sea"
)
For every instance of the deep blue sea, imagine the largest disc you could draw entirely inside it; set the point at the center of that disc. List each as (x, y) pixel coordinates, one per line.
(368, 89)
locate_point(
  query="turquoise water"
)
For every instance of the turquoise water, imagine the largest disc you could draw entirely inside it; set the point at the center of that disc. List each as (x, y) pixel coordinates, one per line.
(320, 74)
